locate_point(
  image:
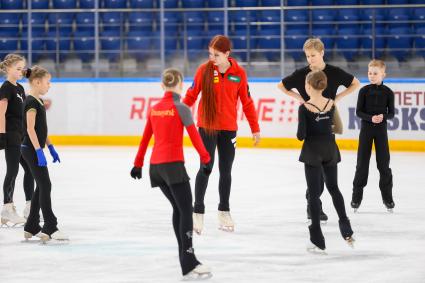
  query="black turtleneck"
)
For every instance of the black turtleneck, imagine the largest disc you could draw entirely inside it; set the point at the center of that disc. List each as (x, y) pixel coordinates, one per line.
(374, 100)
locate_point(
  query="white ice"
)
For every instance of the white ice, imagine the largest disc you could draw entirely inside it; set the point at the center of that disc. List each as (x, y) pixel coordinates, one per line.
(121, 231)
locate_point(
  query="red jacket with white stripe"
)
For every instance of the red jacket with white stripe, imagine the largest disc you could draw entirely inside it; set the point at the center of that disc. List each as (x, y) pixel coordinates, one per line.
(228, 88)
(165, 121)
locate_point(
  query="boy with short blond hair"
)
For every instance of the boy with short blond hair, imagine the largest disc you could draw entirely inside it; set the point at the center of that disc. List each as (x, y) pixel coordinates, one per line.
(375, 104)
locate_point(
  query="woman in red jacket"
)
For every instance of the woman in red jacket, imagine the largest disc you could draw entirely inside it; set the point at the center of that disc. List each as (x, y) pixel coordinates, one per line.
(222, 83)
(165, 121)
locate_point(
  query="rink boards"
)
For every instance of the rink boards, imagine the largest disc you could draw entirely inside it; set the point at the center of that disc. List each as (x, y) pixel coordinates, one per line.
(113, 112)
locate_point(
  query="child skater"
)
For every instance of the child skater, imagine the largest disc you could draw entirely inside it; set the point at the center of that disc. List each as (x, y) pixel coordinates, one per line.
(167, 171)
(319, 154)
(35, 139)
(375, 104)
(12, 96)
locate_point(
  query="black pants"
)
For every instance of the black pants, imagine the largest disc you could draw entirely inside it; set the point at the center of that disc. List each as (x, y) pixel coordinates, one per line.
(313, 175)
(41, 198)
(322, 188)
(373, 133)
(225, 142)
(180, 197)
(13, 158)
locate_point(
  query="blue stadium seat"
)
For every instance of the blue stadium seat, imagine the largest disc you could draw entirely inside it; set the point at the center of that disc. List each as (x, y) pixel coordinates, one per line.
(240, 41)
(115, 4)
(112, 21)
(193, 4)
(38, 21)
(324, 15)
(171, 3)
(84, 45)
(12, 4)
(64, 4)
(37, 44)
(348, 41)
(140, 21)
(216, 21)
(270, 39)
(216, 3)
(246, 3)
(194, 21)
(84, 22)
(62, 21)
(138, 42)
(269, 3)
(347, 2)
(271, 20)
(348, 15)
(380, 41)
(195, 44)
(8, 44)
(294, 41)
(322, 2)
(40, 4)
(296, 16)
(60, 44)
(146, 4)
(420, 41)
(397, 2)
(110, 45)
(9, 23)
(399, 17)
(170, 43)
(171, 21)
(87, 4)
(325, 34)
(400, 42)
(373, 2)
(241, 18)
(367, 14)
(419, 15)
(298, 2)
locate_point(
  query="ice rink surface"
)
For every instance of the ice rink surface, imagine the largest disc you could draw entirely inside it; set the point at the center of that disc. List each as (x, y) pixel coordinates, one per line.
(121, 231)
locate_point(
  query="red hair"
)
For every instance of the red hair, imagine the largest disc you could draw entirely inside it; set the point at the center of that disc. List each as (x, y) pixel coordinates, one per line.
(209, 108)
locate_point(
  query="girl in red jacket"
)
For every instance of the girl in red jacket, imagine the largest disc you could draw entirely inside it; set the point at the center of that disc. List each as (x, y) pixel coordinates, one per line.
(222, 83)
(167, 171)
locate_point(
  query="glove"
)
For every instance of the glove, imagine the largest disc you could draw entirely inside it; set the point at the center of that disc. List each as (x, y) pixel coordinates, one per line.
(136, 172)
(42, 162)
(53, 153)
(207, 168)
(2, 140)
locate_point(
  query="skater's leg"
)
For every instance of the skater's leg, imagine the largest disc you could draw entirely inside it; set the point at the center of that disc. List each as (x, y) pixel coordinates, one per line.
(182, 196)
(33, 222)
(42, 179)
(383, 164)
(12, 156)
(364, 152)
(28, 180)
(331, 173)
(313, 178)
(226, 146)
(201, 182)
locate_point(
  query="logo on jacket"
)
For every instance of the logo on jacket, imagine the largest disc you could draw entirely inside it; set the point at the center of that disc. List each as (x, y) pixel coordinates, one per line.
(162, 113)
(234, 79)
(20, 97)
(216, 79)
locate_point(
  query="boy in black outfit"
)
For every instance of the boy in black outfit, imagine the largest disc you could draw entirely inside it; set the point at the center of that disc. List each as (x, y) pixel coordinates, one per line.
(375, 105)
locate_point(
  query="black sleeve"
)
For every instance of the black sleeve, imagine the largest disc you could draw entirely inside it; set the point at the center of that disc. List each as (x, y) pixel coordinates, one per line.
(5, 92)
(390, 105)
(293, 80)
(302, 127)
(31, 104)
(344, 78)
(361, 108)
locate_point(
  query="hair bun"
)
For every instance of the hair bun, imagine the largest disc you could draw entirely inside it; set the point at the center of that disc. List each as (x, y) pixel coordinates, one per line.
(28, 73)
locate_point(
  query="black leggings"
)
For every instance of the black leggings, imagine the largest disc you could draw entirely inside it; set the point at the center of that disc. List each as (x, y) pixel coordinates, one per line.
(180, 197)
(313, 175)
(13, 158)
(41, 197)
(225, 142)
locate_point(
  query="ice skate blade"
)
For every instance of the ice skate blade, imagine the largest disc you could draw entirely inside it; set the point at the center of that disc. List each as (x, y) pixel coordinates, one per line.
(355, 210)
(197, 277)
(313, 249)
(15, 225)
(230, 229)
(390, 210)
(350, 242)
(322, 222)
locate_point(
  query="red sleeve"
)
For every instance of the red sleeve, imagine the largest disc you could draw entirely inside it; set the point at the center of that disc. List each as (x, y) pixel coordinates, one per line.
(248, 104)
(198, 144)
(147, 134)
(193, 92)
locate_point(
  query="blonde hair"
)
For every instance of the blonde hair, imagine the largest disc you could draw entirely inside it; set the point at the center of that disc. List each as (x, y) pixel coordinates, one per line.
(377, 63)
(317, 80)
(9, 61)
(171, 77)
(36, 72)
(314, 43)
